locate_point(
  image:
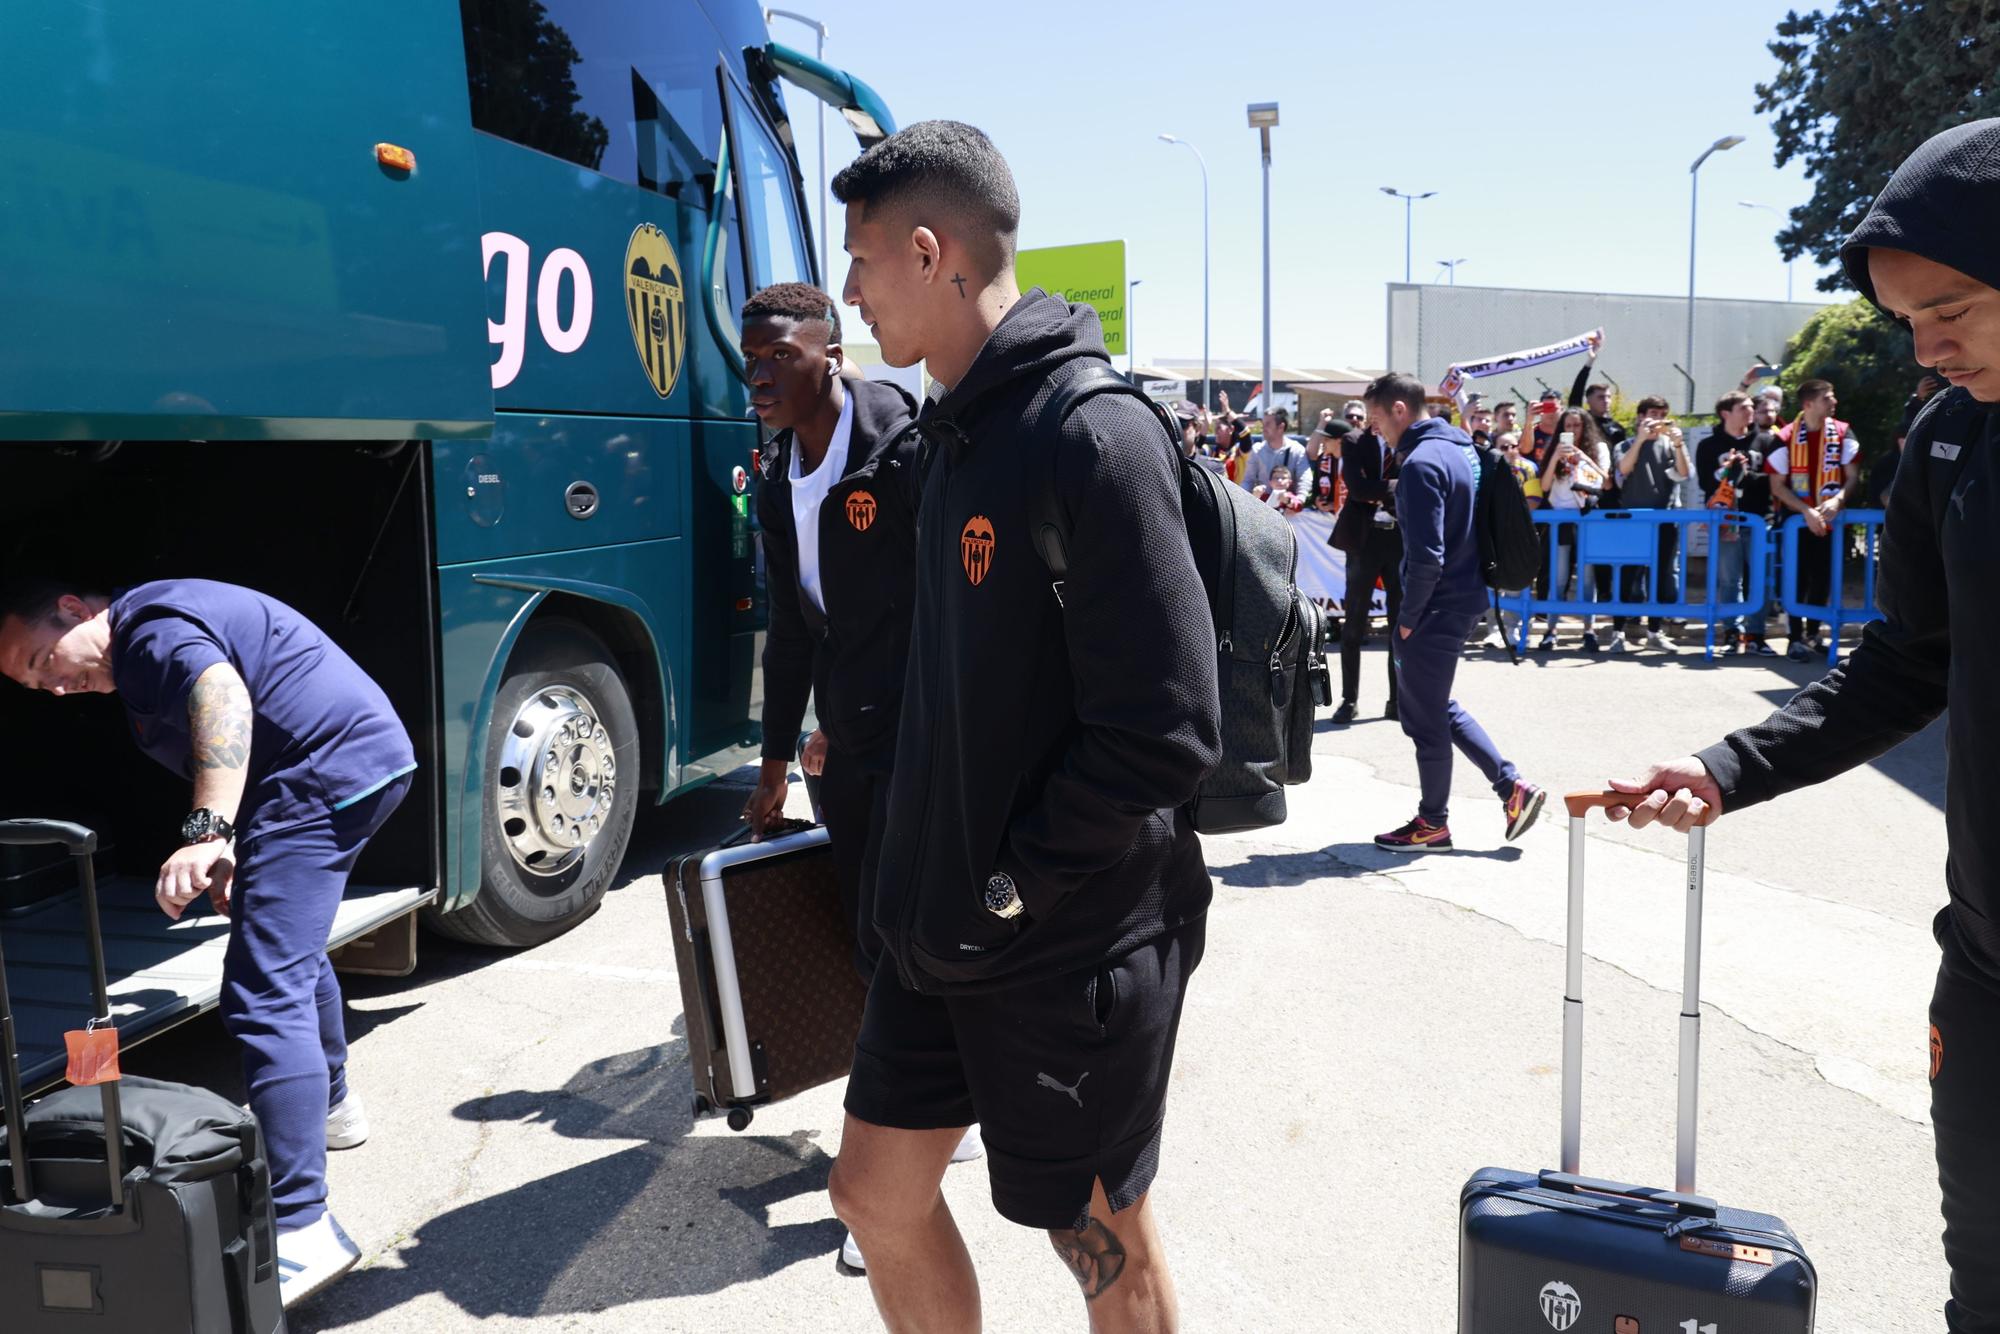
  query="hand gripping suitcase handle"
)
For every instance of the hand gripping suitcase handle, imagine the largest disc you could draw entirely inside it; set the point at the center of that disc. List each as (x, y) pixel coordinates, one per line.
(1580, 804)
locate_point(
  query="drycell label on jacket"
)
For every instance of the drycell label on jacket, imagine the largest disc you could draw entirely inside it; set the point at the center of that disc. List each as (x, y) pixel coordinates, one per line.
(1725, 1250)
(1560, 1304)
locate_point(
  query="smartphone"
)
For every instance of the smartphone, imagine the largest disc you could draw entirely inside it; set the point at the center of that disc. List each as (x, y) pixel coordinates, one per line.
(1566, 438)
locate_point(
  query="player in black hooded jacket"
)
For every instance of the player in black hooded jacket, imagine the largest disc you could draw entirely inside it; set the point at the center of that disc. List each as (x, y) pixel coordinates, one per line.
(1927, 255)
(1041, 896)
(843, 466)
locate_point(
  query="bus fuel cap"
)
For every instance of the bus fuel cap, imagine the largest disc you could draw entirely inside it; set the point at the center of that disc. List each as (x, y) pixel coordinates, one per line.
(580, 500)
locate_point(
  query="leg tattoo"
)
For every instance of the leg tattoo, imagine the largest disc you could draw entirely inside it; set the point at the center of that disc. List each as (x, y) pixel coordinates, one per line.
(1093, 1254)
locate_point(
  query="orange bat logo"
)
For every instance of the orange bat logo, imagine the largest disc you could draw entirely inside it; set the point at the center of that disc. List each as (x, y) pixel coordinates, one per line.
(861, 510)
(975, 548)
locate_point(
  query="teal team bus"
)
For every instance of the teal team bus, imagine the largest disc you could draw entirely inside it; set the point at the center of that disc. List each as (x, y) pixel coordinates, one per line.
(424, 323)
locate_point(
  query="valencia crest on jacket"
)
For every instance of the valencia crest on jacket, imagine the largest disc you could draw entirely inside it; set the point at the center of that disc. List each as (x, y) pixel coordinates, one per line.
(975, 548)
(861, 510)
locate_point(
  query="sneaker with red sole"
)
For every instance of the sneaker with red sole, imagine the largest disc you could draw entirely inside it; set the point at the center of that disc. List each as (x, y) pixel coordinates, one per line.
(1523, 805)
(1419, 835)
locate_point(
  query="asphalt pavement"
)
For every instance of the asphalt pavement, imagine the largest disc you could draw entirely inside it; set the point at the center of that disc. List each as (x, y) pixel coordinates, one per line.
(1365, 1031)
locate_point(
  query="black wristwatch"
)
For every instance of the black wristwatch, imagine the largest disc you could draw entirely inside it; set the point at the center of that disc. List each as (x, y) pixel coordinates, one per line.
(205, 826)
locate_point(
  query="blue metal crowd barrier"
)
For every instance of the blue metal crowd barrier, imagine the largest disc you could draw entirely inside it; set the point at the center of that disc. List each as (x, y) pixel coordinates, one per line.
(1833, 611)
(1619, 540)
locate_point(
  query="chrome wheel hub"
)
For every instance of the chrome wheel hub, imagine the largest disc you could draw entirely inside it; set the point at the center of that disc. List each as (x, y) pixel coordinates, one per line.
(557, 783)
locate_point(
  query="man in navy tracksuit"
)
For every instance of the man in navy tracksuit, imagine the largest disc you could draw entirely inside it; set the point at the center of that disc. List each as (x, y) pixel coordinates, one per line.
(1927, 257)
(1437, 481)
(297, 758)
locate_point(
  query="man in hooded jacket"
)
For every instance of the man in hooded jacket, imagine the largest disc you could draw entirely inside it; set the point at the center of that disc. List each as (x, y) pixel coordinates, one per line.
(1927, 255)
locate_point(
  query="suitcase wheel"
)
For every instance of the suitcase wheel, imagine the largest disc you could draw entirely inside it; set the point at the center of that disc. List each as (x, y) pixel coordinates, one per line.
(739, 1118)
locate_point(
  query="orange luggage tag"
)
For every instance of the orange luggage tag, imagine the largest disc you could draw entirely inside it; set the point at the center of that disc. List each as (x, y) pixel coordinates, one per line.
(93, 1055)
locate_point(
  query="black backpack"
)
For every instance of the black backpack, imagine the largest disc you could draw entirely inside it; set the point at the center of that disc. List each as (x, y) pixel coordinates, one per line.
(1509, 554)
(1270, 638)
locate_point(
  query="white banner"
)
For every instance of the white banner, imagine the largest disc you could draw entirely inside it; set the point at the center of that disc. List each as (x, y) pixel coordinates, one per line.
(1322, 568)
(1460, 371)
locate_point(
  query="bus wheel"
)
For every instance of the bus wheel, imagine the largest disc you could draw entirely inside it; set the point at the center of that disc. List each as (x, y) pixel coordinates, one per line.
(562, 790)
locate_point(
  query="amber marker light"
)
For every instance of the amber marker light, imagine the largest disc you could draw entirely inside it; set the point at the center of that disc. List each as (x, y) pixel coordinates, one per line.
(395, 158)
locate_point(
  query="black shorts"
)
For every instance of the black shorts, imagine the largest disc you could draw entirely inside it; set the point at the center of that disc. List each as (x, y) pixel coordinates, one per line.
(1067, 1078)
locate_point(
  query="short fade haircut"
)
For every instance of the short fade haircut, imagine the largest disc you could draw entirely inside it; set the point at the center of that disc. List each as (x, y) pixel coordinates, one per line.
(1813, 389)
(1599, 388)
(1281, 415)
(794, 301)
(1395, 387)
(950, 173)
(33, 597)
(1652, 403)
(1731, 401)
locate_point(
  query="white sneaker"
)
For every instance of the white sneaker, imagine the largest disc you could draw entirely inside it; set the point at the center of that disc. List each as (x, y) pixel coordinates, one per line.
(1660, 642)
(347, 1124)
(850, 1255)
(311, 1257)
(972, 1147)
(1619, 644)
(1494, 641)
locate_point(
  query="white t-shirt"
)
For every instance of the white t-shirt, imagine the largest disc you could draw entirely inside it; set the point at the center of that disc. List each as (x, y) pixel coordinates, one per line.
(809, 490)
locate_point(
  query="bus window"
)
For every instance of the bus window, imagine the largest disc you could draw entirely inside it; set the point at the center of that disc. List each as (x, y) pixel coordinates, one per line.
(769, 198)
(626, 90)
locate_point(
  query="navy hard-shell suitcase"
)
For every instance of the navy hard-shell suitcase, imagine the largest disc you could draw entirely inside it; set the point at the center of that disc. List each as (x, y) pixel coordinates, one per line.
(135, 1206)
(1554, 1250)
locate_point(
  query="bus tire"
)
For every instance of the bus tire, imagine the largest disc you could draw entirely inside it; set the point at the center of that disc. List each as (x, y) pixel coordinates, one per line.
(561, 790)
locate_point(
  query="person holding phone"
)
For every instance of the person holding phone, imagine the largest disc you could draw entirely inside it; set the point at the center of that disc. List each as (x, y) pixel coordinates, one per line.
(1650, 468)
(1574, 475)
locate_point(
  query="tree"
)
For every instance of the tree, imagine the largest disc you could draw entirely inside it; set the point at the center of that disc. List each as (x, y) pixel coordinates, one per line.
(1861, 87)
(1868, 359)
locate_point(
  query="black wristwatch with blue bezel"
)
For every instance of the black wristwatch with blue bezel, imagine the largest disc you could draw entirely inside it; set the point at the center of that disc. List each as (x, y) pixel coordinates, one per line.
(205, 826)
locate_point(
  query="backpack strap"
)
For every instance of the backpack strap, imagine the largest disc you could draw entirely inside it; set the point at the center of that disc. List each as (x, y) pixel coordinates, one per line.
(1081, 379)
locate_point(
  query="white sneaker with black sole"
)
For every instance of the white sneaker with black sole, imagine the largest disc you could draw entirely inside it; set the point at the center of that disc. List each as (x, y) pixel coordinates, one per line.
(311, 1257)
(970, 1149)
(347, 1124)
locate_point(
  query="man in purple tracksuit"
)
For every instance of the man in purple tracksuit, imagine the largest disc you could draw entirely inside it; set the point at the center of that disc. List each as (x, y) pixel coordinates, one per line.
(296, 758)
(1435, 492)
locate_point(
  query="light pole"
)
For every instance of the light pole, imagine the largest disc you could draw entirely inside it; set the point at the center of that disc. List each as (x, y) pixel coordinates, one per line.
(1694, 198)
(1409, 206)
(1263, 116)
(819, 53)
(1132, 327)
(1772, 208)
(1450, 266)
(1168, 138)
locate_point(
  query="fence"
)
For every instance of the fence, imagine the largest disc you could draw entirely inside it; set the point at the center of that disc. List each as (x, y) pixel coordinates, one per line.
(1629, 540)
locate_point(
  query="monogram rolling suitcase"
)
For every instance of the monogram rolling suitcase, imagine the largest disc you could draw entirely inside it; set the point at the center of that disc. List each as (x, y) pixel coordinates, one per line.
(1554, 1250)
(134, 1206)
(766, 962)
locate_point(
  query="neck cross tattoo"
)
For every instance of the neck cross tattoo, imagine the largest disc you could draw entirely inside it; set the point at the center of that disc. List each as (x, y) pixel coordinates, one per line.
(959, 278)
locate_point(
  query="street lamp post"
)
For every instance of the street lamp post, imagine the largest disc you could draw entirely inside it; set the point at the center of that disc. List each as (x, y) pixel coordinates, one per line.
(1450, 266)
(1263, 116)
(1694, 198)
(1409, 206)
(1772, 208)
(1168, 138)
(825, 223)
(1132, 327)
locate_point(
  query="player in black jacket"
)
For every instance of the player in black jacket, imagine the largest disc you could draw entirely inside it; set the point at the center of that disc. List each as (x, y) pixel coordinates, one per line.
(1926, 254)
(836, 503)
(1042, 896)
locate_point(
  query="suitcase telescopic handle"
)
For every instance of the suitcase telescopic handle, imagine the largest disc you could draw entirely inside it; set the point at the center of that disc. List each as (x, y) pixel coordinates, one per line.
(1580, 805)
(82, 844)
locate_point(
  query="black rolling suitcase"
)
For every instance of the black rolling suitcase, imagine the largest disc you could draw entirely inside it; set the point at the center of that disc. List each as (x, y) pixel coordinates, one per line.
(766, 962)
(1554, 1250)
(161, 1226)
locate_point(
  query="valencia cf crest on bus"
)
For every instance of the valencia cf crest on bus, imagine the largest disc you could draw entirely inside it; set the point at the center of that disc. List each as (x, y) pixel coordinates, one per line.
(975, 548)
(656, 305)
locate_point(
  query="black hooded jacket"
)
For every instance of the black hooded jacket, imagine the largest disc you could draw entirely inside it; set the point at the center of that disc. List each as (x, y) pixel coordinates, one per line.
(1938, 645)
(850, 658)
(1054, 741)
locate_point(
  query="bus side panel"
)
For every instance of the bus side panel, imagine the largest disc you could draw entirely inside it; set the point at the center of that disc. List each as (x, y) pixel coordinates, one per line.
(482, 608)
(202, 243)
(726, 602)
(639, 342)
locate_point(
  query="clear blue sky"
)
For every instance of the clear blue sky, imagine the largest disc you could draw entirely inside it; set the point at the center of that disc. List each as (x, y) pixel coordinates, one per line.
(1557, 135)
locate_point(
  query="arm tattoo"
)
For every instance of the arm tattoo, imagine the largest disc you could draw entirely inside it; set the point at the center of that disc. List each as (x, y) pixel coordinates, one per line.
(219, 717)
(1094, 1255)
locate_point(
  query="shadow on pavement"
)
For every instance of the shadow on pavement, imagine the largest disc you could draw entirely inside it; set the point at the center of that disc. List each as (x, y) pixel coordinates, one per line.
(1917, 765)
(1368, 857)
(1271, 870)
(640, 1224)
